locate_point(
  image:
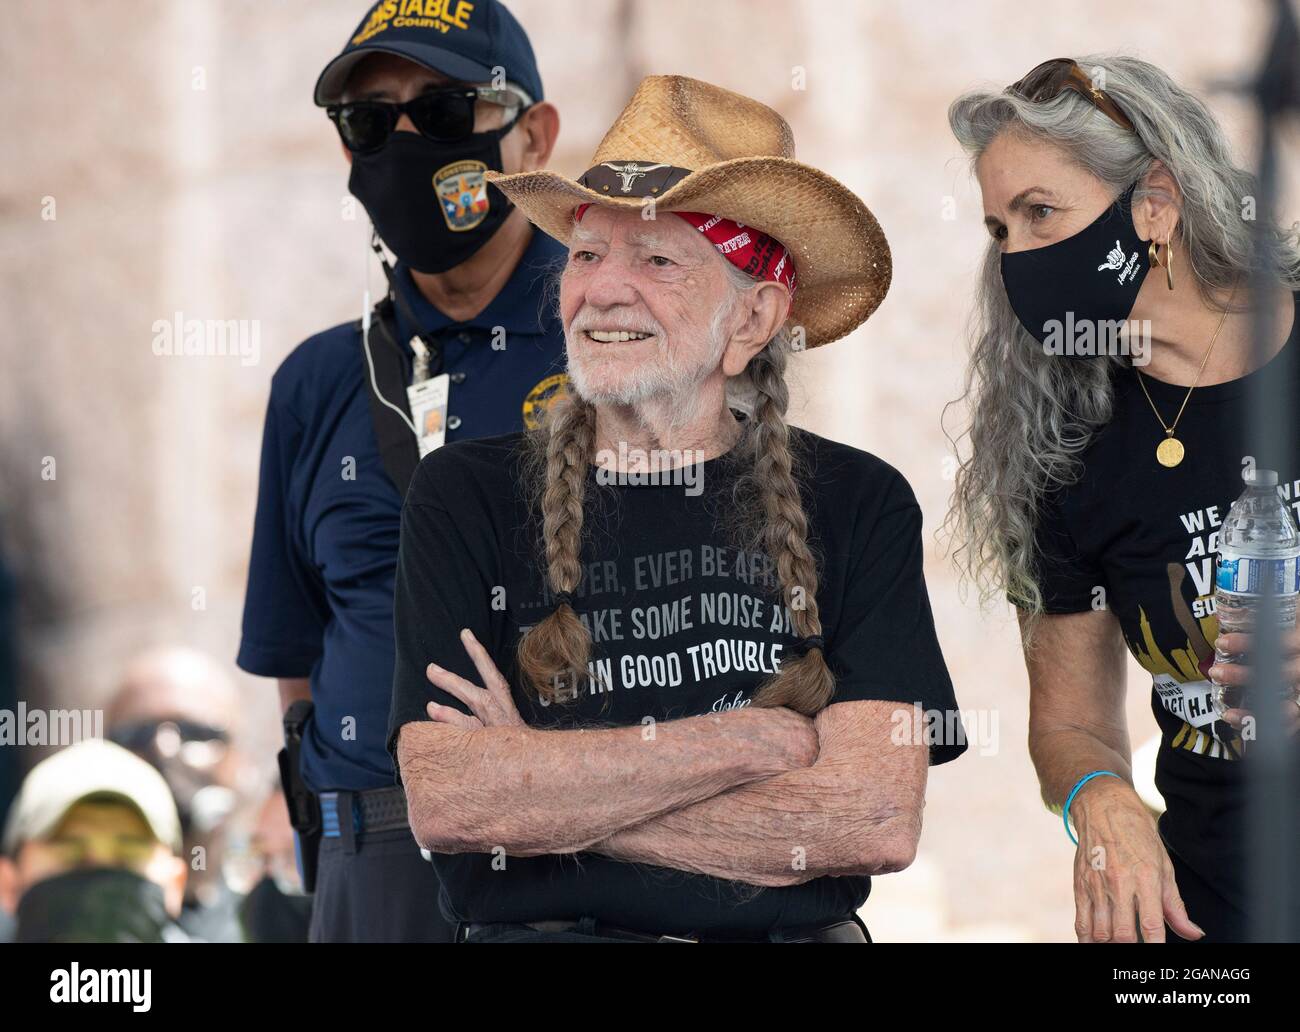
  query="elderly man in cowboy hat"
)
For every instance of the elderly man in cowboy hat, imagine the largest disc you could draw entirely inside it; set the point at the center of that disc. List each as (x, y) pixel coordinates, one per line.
(666, 666)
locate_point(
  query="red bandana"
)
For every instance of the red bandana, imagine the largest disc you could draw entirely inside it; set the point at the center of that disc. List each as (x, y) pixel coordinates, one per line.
(748, 249)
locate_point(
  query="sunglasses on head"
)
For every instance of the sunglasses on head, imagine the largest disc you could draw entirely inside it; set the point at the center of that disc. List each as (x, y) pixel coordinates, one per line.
(442, 115)
(1052, 78)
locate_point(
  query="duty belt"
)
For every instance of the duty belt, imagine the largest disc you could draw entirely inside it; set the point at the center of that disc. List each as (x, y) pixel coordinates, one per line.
(380, 809)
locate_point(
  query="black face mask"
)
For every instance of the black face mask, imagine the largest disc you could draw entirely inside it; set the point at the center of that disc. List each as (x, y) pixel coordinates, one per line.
(429, 201)
(93, 904)
(1091, 277)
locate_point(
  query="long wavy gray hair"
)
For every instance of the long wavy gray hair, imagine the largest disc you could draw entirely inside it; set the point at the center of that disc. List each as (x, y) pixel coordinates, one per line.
(1031, 414)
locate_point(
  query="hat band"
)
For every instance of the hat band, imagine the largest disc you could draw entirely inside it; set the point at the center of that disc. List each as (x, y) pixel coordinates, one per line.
(633, 178)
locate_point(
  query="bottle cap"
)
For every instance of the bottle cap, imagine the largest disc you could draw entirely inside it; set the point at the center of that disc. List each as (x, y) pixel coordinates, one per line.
(1261, 478)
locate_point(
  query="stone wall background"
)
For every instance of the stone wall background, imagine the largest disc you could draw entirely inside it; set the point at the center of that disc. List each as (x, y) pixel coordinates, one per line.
(189, 172)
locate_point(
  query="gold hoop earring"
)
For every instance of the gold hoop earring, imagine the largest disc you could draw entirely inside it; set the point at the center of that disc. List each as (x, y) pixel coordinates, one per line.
(1153, 255)
(1169, 264)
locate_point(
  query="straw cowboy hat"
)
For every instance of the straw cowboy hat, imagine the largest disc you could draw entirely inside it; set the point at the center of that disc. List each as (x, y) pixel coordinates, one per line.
(692, 146)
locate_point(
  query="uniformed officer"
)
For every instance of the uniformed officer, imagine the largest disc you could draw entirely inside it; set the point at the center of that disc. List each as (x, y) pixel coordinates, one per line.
(426, 98)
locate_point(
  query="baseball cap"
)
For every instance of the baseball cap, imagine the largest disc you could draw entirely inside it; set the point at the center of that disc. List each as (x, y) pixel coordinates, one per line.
(92, 767)
(468, 40)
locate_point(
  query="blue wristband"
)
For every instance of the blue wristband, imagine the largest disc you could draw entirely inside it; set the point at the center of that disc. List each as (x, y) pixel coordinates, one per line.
(1065, 813)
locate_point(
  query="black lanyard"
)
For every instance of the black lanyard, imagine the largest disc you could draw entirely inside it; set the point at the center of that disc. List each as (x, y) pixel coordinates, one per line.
(398, 447)
(432, 344)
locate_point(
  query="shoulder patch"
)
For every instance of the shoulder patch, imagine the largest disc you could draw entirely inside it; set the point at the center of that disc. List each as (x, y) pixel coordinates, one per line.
(539, 399)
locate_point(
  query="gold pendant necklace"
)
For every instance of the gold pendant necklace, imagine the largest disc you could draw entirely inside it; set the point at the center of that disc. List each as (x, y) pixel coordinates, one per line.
(1170, 451)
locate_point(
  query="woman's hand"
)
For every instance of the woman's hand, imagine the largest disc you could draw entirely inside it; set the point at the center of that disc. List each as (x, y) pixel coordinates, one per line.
(1123, 880)
(491, 705)
(1237, 675)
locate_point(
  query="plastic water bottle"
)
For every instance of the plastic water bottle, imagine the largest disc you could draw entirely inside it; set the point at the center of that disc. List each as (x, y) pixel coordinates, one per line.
(1258, 543)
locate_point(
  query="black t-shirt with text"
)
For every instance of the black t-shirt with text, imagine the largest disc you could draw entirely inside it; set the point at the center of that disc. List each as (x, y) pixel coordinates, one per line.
(1141, 539)
(683, 622)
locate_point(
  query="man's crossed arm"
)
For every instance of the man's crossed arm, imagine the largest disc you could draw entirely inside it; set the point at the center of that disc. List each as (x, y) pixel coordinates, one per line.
(763, 796)
(856, 810)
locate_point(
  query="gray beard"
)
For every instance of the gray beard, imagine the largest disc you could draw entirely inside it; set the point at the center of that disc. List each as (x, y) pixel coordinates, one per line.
(663, 380)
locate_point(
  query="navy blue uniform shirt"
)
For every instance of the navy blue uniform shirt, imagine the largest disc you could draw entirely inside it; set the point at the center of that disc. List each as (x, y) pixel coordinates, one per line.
(320, 579)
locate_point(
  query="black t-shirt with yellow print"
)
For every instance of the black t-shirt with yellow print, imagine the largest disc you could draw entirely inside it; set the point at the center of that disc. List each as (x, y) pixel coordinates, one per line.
(1141, 539)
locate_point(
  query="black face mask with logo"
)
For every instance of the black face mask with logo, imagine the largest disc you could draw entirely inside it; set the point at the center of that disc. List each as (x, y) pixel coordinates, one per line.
(429, 201)
(1093, 276)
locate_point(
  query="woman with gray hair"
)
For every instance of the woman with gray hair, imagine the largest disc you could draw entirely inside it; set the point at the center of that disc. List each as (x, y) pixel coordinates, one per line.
(1108, 434)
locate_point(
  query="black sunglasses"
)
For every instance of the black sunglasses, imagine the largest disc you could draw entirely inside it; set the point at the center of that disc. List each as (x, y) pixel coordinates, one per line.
(442, 115)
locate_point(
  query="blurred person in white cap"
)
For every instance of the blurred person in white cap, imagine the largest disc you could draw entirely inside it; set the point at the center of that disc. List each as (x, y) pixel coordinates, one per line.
(90, 850)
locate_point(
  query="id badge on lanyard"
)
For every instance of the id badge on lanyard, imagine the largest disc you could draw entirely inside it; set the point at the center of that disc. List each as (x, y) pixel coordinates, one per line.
(427, 398)
(428, 401)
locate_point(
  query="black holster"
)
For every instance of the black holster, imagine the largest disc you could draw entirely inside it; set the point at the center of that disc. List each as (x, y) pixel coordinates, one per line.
(304, 807)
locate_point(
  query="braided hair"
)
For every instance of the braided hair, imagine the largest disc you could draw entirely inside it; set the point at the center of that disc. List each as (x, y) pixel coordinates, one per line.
(553, 655)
